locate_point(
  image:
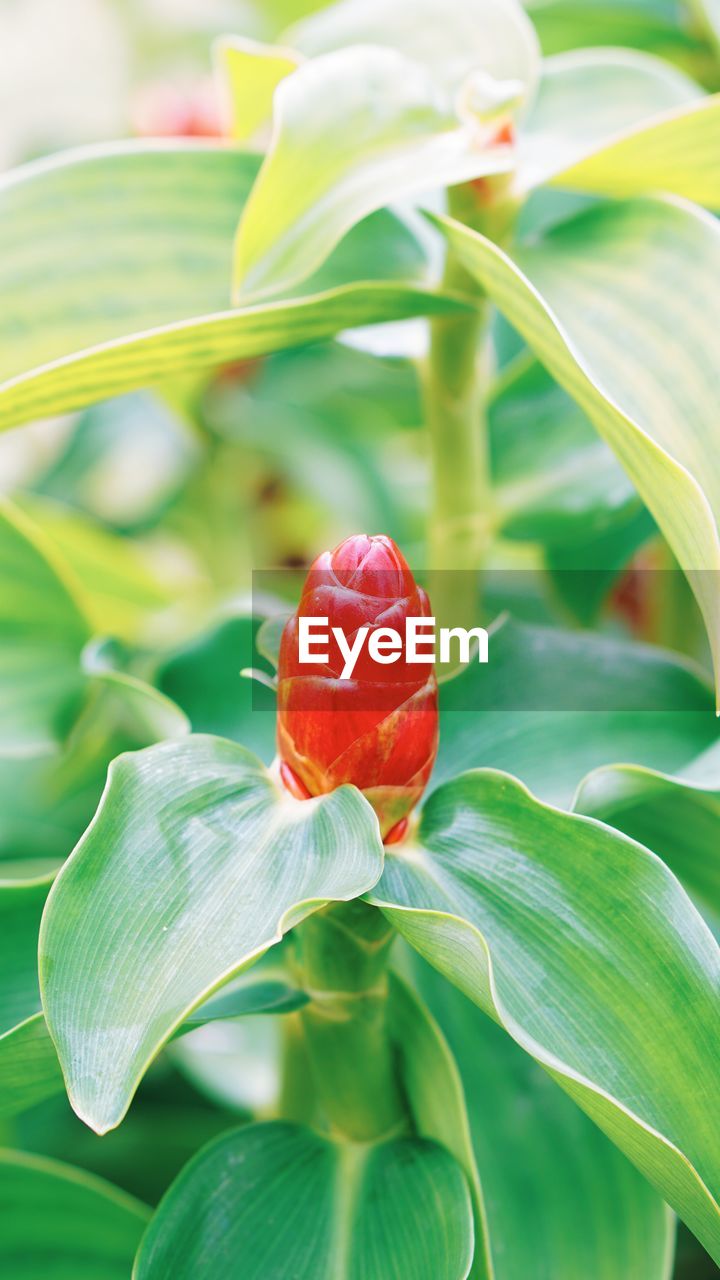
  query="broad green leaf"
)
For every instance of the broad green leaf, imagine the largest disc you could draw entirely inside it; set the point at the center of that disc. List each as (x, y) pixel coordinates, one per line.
(251, 73)
(29, 1070)
(562, 1201)
(675, 153)
(118, 587)
(620, 305)
(435, 1098)
(62, 721)
(48, 798)
(389, 134)
(61, 1223)
(274, 1200)
(584, 946)
(194, 865)
(43, 631)
(570, 490)
(676, 815)
(619, 123)
(204, 679)
(29, 1067)
(20, 910)
(453, 38)
(551, 705)
(79, 231)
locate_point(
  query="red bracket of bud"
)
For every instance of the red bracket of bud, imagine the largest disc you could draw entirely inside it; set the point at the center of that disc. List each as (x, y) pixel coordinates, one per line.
(379, 729)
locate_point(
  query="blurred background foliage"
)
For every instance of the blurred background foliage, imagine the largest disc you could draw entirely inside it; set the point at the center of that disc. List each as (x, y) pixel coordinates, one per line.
(163, 501)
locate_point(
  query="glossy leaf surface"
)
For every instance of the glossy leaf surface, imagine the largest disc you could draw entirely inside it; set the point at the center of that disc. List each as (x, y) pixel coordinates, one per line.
(277, 1199)
(586, 949)
(193, 866)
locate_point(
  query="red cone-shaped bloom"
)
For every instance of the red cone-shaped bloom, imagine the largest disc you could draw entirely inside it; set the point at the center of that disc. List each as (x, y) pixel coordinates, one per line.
(379, 729)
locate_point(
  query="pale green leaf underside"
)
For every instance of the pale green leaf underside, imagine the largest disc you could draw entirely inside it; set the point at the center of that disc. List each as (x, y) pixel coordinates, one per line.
(619, 123)
(274, 1200)
(390, 134)
(586, 949)
(115, 270)
(562, 1201)
(620, 304)
(452, 38)
(252, 73)
(194, 865)
(61, 1223)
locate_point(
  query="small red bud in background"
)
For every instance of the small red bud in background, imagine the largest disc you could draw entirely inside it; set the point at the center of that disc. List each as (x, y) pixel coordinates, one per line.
(167, 110)
(379, 729)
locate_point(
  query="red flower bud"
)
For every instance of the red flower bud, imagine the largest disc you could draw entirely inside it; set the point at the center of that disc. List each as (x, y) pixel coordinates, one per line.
(378, 729)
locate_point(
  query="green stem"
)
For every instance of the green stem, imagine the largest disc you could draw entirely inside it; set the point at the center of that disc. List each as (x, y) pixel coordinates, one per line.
(342, 957)
(455, 391)
(459, 531)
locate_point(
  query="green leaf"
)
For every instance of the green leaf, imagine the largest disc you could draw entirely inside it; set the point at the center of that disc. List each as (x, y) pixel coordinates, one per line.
(562, 1201)
(677, 815)
(266, 988)
(43, 631)
(619, 304)
(118, 586)
(618, 123)
(435, 1098)
(574, 488)
(648, 25)
(453, 38)
(389, 129)
(194, 865)
(48, 798)
(277, 1200)
(64, 1224)
(204, 679)
(29, 1067)
(21, 907)
(551, 705)
(78, 233)
(251, 73)
(586, 949)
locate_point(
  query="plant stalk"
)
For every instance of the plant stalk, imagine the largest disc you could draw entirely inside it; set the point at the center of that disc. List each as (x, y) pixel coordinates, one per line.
(455, 383)
(342, 959)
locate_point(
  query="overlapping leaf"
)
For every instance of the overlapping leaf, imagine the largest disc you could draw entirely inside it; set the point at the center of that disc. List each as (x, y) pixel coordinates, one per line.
(677, 815)
(389, 130)
(561, 1200)
(193, 866)
(586, 949)
(43, 632)
(276, 1199)
(252, 73)
(453, 38)
(79, 232)
(620, 123)
(62, 1223)
(620, 305)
